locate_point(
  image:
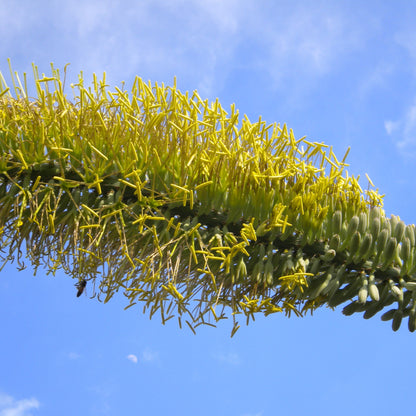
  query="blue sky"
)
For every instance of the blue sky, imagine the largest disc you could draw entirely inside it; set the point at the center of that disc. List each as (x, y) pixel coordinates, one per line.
(342, 72)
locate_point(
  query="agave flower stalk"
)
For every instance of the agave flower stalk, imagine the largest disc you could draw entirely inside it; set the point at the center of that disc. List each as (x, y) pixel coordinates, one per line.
(190, 210)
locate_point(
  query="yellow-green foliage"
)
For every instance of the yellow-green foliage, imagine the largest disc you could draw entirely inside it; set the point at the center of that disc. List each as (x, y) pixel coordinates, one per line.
(187, 208)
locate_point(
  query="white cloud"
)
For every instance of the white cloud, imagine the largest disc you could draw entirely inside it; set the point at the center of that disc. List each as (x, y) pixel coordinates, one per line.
(188, 38)
(92, 16)
(391, 126)
(149, 356)
(228, 358)
(17, 17)
(403, 132)
(73, 356)
(12, 407)
(196, 40)
(406, 38)
(314, 45)
(304, 41)
(132, 358)
(376, 79)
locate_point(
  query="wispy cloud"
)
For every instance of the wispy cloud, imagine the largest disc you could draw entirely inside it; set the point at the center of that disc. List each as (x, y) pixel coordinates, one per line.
(403, 132)
(196, 40)
(9, 406)
(149, 356)
(391, 126)
(190, 39)
(73, 356)
(376, 79)
(228, 358)
(406, 38)
(303, 42)
(403, 129)
(132, 358)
